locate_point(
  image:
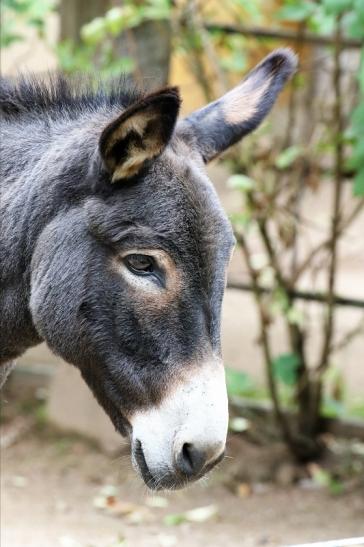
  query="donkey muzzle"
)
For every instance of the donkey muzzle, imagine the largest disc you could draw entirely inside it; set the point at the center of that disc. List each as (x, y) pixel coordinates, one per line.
(183, 438)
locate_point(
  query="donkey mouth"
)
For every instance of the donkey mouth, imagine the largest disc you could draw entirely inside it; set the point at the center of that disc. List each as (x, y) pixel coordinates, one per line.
(147, 476)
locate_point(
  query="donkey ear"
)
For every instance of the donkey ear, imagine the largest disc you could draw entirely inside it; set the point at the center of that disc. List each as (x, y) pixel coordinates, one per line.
(140, 133)
(225, 121)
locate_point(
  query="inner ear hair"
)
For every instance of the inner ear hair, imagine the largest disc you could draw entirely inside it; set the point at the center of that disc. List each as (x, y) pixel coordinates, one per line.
(140, 133)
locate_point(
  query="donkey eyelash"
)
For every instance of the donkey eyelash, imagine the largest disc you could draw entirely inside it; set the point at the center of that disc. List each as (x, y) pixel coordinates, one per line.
(140, 264)
(143, 265)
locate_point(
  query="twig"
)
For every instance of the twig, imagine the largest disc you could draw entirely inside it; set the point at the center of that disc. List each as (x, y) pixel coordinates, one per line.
(263, 230)
(280, 34)
(295, 332)
(300, 295)
(293, 97)
(336, 215)
(303, 167)
(187, 20)
(209, 51)
(348, 337)
(280, 417)
(326, 244)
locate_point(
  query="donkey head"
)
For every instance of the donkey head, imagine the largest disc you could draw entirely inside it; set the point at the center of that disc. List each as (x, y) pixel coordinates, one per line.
(127, 283)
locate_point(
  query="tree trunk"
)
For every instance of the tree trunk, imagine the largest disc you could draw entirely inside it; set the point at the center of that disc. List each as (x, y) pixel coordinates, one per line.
(149, 45)
(75, 13)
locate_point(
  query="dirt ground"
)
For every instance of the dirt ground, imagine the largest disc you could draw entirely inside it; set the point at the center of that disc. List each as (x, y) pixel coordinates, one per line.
(51, 486)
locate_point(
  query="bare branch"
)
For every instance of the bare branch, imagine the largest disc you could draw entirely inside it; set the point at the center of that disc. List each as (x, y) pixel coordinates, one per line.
(325, 245)
(348, 337)
(309, 296)
(282, 34)
(280, 417)
(336, 214)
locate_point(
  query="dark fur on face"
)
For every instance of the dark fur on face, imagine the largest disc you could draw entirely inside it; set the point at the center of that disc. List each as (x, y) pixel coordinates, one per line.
(88, 178)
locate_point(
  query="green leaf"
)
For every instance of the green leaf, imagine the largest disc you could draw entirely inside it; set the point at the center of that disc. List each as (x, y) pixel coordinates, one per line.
(323, 478)
(239, 424)
(242, 219)
(359, 11)
(157, 10)
(94, 32)
(174, 519)
(74, 58)
(280, 302)
(357, 119)
(235, 62)
(358, 188)
(359, 8)
(331, 408)
(321, 22)
(122, 65)
(37, 22)
(361, 71)
(335, 7)
(238, 383)
(357, 157)
(285, 368)
(115, 20)
(295, 316)
(296, 12)
(241, 182)
(354, 26)
(288, 156)
(357, 408)
(200, 514)
(6, 39)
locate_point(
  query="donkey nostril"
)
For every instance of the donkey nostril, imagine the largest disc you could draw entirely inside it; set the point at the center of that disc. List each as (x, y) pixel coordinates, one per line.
(190, 460)
(187, 456)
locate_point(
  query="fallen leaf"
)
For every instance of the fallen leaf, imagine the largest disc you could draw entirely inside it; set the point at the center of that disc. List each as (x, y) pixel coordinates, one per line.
(174, 519)
(200, 514)
(121, 508)
(120, 542)
(18, 481)
(243, 490)
(67, 541)
(108, 490)
(100, 502)
(165, 540)
(140, 516)
(107, 497)
(239, 424)
(325, 479)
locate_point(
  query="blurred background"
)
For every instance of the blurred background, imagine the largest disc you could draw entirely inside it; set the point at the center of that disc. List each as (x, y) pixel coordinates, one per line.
(293, 318)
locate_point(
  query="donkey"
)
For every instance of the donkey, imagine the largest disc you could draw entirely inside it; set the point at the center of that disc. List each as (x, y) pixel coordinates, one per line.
(114, 250)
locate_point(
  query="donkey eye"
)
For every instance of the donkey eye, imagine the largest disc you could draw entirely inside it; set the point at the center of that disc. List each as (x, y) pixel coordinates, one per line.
(140, 264)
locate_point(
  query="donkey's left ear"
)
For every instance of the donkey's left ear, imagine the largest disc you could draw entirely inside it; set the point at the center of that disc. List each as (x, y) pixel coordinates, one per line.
(224, 122)
(140, 133)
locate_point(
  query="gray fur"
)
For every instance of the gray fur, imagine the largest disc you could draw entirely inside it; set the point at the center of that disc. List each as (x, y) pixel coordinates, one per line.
(64, 227)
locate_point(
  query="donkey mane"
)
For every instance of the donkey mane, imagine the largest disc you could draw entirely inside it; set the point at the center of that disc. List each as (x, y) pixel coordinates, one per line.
(56, 95)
